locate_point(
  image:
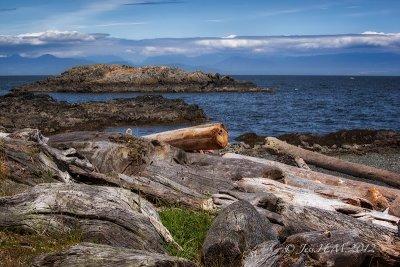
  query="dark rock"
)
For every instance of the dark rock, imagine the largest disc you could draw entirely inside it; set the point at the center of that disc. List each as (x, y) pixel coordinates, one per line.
(353, 141)
(28, 110)
(237, 229)
(121, 78)
(251, 139)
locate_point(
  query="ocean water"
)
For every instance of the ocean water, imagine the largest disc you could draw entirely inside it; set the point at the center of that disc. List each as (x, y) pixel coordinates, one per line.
(314, 104)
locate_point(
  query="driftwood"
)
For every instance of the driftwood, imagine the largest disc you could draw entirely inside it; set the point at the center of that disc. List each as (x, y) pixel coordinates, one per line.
(394, 208)
(23, 164)
(156, 169)
(298, 216)
(353, 192)
(89, 254)
(331, 248)
(109, 215)
(307, 198)
(237, 229)
(295, 200)
(332, 163)
(201, 137)
(301, 163)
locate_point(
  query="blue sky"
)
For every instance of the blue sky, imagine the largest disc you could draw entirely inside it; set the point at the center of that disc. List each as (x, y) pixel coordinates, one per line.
(130, 29)
(198, 18)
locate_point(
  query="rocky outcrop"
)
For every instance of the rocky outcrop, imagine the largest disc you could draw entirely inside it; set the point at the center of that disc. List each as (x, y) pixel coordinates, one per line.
(28, 110)
(122, 78)
(343, 141)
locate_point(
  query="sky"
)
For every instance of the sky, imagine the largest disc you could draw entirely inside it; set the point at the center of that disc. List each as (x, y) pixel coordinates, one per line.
(138, 29)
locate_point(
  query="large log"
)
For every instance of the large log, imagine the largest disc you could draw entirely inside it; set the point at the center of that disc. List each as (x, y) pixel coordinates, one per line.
(307, 198)
(156, 169)
(89, 254)
(352, 191)
(332, 163)
(300, 214)
(237, 229)
(201, 137)
(109, 215)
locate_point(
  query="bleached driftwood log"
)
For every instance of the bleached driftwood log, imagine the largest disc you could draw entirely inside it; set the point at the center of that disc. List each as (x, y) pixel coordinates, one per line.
(202, 137)
(237, 229)
(351, 191)
(89, 254)
(109, 215)
(332, 163)
(156, 169)
(24, 163)
(301, 211)
(307, 198)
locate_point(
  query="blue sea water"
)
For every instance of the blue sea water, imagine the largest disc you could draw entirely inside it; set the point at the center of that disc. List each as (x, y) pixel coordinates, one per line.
(315, 104)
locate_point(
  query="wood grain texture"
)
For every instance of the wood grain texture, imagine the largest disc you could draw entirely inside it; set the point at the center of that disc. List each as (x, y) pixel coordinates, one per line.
(89, 254)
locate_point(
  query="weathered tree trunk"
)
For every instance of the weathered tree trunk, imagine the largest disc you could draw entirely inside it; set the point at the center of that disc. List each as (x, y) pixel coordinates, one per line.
(23, 163)
(332, 163)
(201, 137)
(351, 191)
(237, 229)
(307, 198)
(89, 254)
(298, 215)
(109, 215)
(157, 169)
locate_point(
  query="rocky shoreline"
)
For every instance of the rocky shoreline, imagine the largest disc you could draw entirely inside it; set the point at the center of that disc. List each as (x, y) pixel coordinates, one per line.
(355, 141)
(376, 148)
(28, 110)
(120, 78)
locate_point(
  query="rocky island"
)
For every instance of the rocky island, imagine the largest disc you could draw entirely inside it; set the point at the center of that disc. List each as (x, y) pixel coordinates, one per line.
(28, 110)
(121, 78)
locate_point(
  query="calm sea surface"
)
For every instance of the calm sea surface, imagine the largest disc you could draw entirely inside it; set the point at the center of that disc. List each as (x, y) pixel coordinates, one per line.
(316, 104)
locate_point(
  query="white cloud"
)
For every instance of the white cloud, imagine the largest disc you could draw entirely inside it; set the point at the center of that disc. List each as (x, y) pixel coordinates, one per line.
(51, 36)
(304, 42)
(73, 43)
(231, 36)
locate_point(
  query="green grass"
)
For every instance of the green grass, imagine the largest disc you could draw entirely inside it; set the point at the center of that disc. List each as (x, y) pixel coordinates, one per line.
(19, 249)
(189, 229)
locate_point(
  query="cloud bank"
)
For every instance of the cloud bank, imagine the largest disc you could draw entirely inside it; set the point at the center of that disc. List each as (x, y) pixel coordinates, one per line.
(72, 43)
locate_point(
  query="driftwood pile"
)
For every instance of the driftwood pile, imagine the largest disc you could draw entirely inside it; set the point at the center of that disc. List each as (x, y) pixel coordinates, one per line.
(272, 214)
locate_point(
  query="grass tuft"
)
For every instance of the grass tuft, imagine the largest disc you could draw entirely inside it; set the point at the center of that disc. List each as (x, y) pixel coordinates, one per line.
(19, 249)
(189, 229)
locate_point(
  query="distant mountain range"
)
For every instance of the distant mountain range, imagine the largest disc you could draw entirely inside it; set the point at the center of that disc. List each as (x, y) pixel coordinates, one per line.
(331, 64)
